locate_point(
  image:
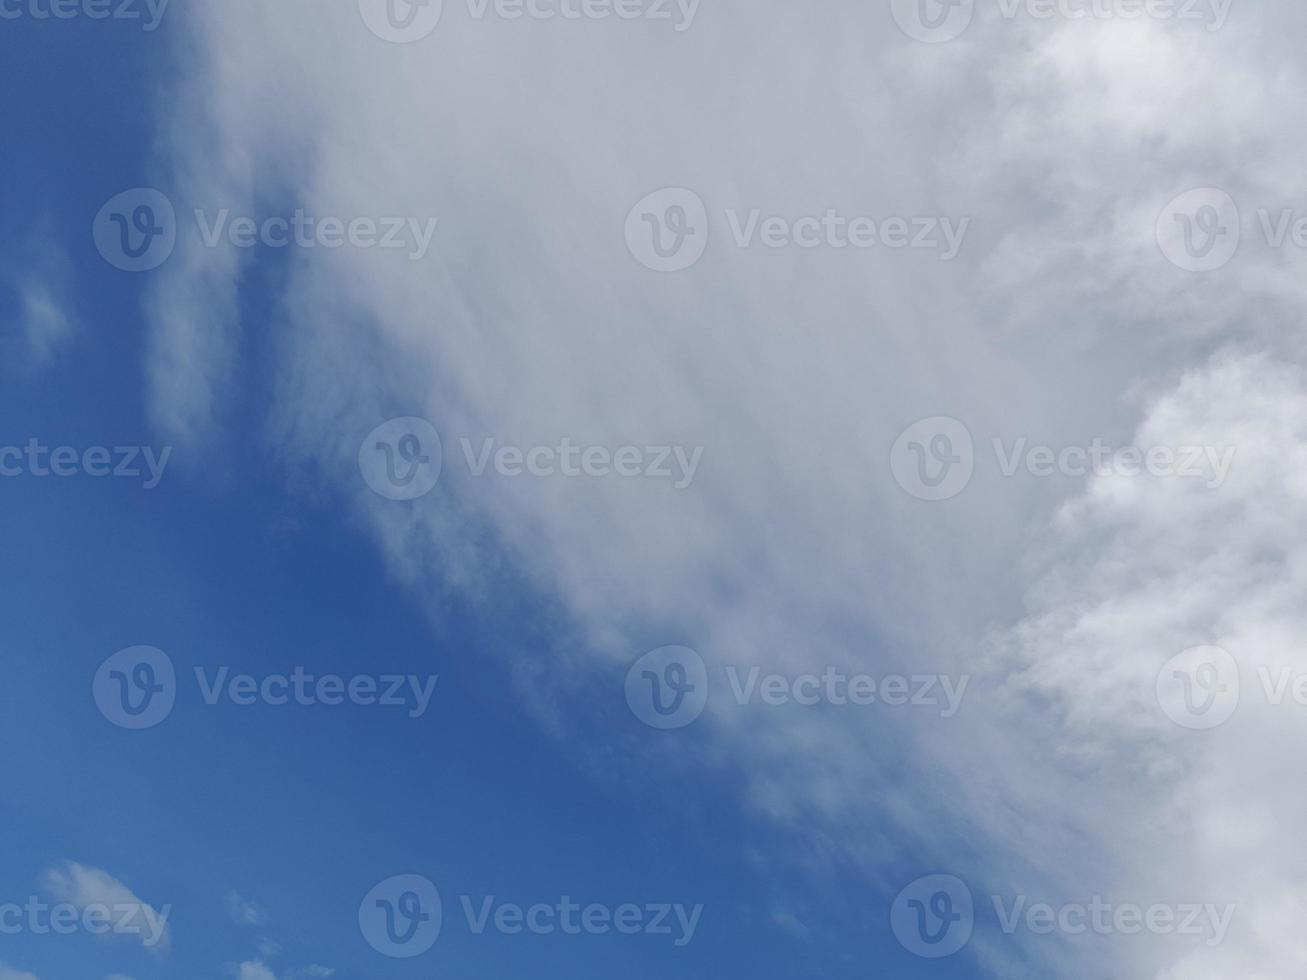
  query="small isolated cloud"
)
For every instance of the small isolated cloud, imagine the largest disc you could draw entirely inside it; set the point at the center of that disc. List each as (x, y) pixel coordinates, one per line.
(243, 912)
(112, 976)
(254, 970)
(310, 972)
(791, 924)
(42, 283)
(82, 887)
(8, 973)
(268, 949)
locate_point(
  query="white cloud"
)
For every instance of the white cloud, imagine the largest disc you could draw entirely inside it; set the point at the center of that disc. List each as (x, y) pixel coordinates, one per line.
(42, 281)
(1059, 321)
(83, 886)
(254, 970)
(244, 912)
(8, 973)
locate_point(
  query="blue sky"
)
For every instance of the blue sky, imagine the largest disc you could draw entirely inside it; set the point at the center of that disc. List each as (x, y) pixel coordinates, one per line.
(302, 810)
(817, 487)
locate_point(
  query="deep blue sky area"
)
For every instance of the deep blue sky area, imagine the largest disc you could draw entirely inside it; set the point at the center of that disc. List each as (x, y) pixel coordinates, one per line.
(302, 810)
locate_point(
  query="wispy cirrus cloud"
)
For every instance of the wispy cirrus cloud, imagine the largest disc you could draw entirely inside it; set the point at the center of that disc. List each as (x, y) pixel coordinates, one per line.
(1062, 320)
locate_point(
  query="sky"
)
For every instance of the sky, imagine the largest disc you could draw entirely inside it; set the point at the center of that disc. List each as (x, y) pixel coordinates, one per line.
(696, 489)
